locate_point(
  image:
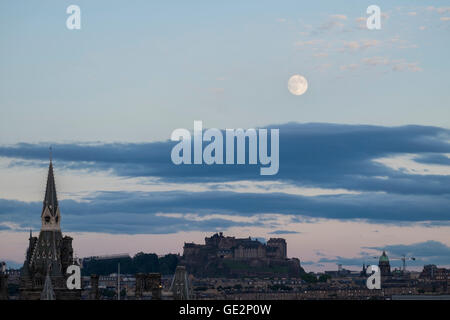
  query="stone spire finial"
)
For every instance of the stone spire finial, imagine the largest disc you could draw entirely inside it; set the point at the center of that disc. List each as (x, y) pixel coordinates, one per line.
(48, 293)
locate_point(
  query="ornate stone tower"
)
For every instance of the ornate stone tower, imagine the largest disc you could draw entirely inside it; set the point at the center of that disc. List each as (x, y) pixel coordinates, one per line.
(49, 254)
(180, 284)
(384, 265)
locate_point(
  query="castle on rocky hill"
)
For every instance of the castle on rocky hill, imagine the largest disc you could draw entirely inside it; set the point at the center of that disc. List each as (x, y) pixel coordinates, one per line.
(230, 256)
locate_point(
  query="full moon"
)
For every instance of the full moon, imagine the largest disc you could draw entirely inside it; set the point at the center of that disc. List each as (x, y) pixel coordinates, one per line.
(297, 85)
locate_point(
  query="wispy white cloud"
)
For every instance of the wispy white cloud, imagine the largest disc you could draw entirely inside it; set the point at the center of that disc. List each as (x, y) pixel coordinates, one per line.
(320, 54)
(361, 22)
(401, 65)
(440, 10)
(359, 45)
(339, 16)
(396, 65)
(334, 22)
(399, 43)
(308, 42)
(352, 66)
(375, 61)
(323, 67)
(13, 226)
(407, 163)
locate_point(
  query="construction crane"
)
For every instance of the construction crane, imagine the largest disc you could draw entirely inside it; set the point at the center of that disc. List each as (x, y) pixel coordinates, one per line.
(403, 258)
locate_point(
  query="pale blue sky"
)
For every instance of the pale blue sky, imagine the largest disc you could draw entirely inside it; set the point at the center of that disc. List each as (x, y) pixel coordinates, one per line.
(135, 72)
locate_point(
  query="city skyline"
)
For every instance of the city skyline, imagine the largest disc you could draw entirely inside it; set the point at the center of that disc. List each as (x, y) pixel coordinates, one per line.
(416, 249)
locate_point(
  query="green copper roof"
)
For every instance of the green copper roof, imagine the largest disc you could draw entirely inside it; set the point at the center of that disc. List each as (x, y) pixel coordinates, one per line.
(384, 257)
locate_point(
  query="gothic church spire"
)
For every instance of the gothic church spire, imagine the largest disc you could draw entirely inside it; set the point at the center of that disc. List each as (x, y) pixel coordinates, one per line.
(50, 215)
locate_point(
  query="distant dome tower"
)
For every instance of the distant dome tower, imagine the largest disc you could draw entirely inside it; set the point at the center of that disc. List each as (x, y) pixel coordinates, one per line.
(384, 265)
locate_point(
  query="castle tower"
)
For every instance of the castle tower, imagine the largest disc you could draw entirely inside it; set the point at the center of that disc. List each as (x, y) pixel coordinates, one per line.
(279, 247)
(49, 254)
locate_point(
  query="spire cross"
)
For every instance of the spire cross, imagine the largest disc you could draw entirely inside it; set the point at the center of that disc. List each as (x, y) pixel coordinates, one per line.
(50, 152)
